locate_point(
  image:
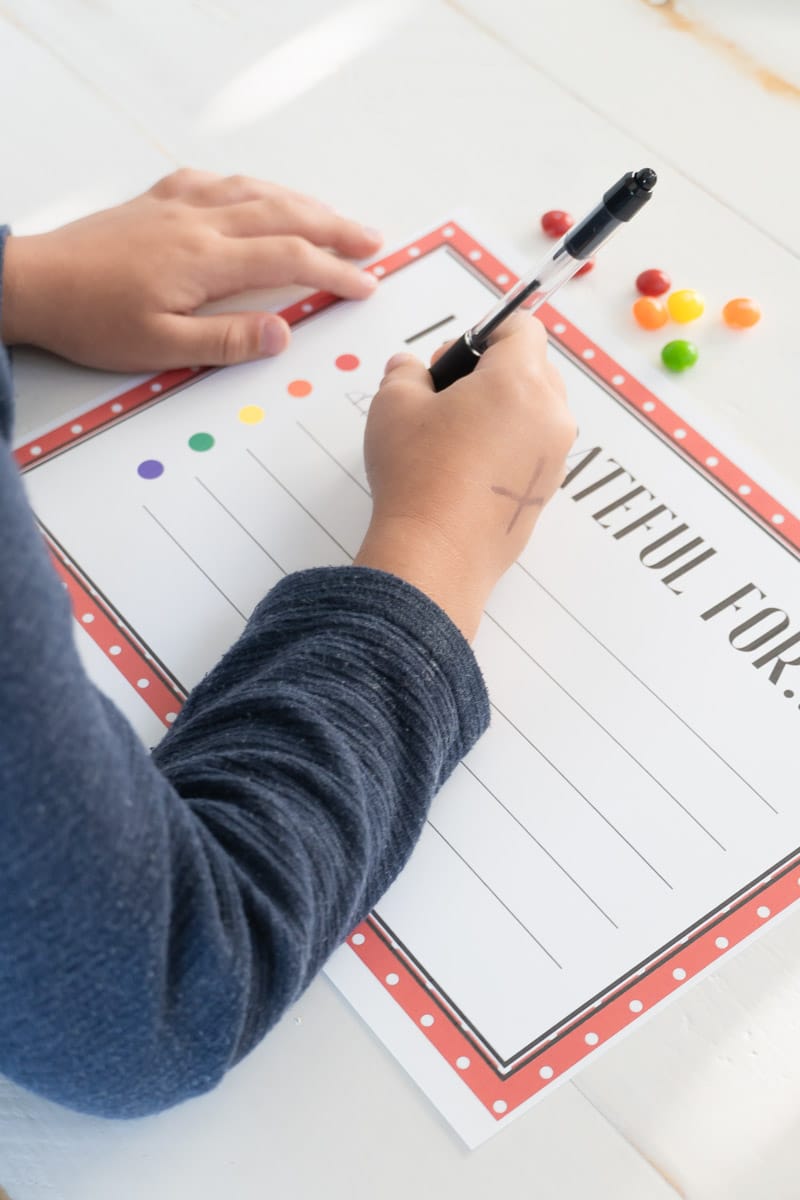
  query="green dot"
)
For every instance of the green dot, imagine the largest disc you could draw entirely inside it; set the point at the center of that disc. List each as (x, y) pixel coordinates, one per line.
(679, 355)
(201, 441)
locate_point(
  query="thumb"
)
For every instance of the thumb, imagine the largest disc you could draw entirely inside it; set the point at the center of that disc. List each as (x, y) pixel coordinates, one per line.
(407, 368)
(225, 338)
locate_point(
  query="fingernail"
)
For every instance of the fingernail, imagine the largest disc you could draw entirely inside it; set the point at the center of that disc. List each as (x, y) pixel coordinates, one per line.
(374, 235)
(370, 280)
(273, 338)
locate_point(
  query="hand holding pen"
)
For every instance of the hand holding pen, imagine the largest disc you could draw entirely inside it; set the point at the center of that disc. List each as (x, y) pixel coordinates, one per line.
(619, 204)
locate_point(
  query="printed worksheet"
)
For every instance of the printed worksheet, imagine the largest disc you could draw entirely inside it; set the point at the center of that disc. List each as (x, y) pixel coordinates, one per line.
(630, 816)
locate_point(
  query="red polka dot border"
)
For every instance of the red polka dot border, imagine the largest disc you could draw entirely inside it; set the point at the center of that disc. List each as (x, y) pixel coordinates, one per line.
(117, 642)
(503, 1087)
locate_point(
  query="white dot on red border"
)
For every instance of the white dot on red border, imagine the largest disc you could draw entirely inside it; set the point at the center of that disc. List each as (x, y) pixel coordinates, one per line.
(636, 1006)
(448, 231)
(475, 255)
(116, 408)
(171, 717)
(777, 518)
(617, 380)
(588, 352)
(648, 406)
(721, 943)
(115, 650)
(76, 429)
(35, 451)
(462, 1062)
(143, 683)
(712, 461)
(762, 911)
(679, 974)
(358, 939)
(545, 1072)
(680, 434)
(591, 1039)
(156, 387)
(502, 279)
(306, 308)
(744, 489)
(392, 979)
(560, 327)
(87, 618)
(427, 1020)
(413, 252)
(379, 270)
(500, 1106)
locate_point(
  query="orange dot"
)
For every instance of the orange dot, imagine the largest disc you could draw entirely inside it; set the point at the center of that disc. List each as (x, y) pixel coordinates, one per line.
(741, 313)
(347, 362)
(299, 387)
(649, 313)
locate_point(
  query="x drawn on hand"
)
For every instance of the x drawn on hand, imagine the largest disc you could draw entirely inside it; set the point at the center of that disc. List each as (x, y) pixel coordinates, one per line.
(527, 499)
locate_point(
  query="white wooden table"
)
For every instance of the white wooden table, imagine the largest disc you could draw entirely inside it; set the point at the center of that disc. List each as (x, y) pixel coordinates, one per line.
(397, 111)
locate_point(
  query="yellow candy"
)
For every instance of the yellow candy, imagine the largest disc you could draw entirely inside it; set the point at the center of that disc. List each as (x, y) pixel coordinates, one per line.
(685, 305)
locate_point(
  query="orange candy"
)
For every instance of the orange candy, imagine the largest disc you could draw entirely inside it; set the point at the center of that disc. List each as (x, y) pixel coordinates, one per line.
(741, 313)
(649, 313)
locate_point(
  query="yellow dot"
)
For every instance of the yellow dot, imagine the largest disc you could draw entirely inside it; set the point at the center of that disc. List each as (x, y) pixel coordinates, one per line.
(251, 414)
(685, 305)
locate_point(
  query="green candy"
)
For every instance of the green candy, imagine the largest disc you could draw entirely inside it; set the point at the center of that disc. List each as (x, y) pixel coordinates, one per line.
(679, 355)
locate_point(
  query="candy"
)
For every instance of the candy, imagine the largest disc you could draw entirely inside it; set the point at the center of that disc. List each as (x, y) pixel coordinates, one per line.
(653, 282)
(685, 305)
(679, 355)
(741, 313)
(555, 223)
(649, 312)
(586, 268)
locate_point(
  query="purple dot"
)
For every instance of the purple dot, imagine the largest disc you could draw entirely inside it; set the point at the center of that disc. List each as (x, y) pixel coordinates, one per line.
(151, 468)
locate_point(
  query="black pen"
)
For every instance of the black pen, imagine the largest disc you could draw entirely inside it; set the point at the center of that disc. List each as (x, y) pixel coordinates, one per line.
(619, 204)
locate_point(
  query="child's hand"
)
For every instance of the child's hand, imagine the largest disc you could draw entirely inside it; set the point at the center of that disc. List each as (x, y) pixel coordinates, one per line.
(459, 477)
(118, 289)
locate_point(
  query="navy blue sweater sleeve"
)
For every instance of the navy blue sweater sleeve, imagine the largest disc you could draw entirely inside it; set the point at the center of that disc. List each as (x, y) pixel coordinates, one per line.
(159, 912)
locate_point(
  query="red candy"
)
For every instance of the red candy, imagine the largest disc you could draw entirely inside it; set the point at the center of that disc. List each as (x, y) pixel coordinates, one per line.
(556, 223)
(653, 282)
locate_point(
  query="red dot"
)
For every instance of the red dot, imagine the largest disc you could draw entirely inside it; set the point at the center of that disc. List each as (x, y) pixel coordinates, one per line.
(299, 387)
(555, 223)
(653, 282)
(347, 362)
(586, 268)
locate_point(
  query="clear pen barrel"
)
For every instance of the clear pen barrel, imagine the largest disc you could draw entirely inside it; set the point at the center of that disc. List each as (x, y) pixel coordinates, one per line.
(528, 293)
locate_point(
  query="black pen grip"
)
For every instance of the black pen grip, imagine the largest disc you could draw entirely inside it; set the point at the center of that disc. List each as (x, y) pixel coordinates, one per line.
(454, 364)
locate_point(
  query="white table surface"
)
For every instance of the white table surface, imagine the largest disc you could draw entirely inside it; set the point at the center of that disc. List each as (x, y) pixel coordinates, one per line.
(398, 111)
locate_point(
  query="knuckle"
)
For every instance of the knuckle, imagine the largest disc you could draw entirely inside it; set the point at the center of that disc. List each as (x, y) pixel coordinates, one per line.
(297, 251)
(173, 183)
(233, 344)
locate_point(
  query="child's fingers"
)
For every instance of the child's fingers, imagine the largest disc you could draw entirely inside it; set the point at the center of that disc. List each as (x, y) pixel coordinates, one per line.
(406, 369)
(519, 342)
(281, 215)
(278, 261)
(220, 340)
